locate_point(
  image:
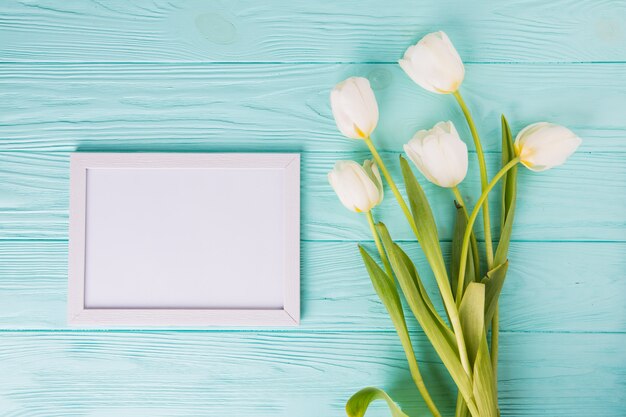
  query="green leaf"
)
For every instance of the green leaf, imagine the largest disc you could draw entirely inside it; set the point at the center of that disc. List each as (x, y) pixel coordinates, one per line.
(386, 238)
(439, 334)
(509, 195)
(493, 286)
(404, 259)
(506, 157)
(460, 225)
(461, 408)
(502, 251)
(420, 287)
(472, 315)
(386, 289)
(508, 153)
(484, 385)
(358, 403)
(426, 232)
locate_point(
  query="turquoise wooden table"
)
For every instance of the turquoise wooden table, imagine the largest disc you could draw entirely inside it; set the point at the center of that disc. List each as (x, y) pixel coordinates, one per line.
(255, 76)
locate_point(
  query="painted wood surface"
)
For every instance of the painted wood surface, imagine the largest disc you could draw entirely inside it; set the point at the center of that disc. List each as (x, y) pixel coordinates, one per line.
(305, 31)
(283, 374)
(34, 190)
(251, 76)
(276, 107)
(567, 296)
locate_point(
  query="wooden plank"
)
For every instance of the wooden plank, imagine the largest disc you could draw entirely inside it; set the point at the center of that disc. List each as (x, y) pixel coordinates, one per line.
(201, 107)
(301, 31)
(571, 287)
(278, 374)
(590, 188)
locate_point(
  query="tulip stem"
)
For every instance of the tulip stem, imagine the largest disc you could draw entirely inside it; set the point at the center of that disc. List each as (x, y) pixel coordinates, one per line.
(392, 184)
(470, 223)
(446, 293)
(475, 259)
(483, 177)
(379, 246)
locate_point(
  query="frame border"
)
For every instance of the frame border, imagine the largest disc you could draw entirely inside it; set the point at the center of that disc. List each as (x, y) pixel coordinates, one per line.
(78, 315)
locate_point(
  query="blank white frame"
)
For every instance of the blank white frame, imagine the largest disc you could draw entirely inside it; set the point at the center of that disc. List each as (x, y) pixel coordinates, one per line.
(116, 164)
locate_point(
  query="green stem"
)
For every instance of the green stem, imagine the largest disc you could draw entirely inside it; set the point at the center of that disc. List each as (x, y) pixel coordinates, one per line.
(470, 223)
(483, 177)
(379, 245)
(459, 198)
(392, 184)
(448, 298)
(406, 343)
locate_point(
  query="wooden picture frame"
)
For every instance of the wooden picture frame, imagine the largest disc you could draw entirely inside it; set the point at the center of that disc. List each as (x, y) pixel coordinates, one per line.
(151, 232)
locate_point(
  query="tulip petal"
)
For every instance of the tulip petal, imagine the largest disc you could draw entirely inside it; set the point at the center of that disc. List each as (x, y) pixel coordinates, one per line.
(434, 64)
(354, 187)
(372, 171)
(541, 146)
(439, 154)
(354, 107)
(344, 124)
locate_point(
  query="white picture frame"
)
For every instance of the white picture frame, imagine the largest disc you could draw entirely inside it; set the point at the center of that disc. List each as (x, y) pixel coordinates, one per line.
(150, 232)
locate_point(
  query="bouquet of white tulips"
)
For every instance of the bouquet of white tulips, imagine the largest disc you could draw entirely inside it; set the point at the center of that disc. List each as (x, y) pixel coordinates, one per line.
(471, 284)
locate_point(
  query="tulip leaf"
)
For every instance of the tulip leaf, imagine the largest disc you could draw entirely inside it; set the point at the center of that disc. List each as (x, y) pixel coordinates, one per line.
(506, 157)
(472, 315)
(420, 287)
(508, 153)
(426, 232)
(502, 251)
(439, 334)
(461, 407)
(457, 240)
(404, 258)
(509, 195)
(493, 286)
(358, 403)
(484, 388)
(387, 291)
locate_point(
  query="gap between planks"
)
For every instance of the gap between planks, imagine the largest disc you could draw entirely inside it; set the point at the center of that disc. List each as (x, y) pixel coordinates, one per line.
(182, 63)
(291, 330)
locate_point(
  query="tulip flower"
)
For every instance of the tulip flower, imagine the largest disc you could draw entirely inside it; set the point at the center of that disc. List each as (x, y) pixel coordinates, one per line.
(434, 64)
(439, 154)
(359, 188)
(543, 145)
(354, 107)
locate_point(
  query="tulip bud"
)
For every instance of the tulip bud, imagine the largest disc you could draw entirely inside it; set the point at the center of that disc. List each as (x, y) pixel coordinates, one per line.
(359, 188)
(543, 145)
(354, 107)
(434, 64)
(439, 154)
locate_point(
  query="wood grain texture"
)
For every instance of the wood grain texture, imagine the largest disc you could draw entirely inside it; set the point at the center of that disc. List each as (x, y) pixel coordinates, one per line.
(277, 374)
(302, 31)
(201, 107)
(547, 289)
(251, 76)
(34, 199)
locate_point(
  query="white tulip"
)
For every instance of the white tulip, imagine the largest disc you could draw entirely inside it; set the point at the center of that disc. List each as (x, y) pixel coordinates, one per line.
(359, 188)
(434, 64)
(439, 154)
(543, 145)
(354, 107)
